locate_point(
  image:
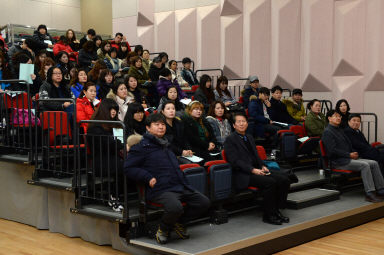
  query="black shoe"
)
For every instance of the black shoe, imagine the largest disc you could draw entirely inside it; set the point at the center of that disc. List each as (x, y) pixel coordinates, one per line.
(283, 218)
(272, 219)
(371, 197)
(162, 237)
(181, 231)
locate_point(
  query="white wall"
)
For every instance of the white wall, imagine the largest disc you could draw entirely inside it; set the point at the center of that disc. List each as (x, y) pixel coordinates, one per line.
(59, 14)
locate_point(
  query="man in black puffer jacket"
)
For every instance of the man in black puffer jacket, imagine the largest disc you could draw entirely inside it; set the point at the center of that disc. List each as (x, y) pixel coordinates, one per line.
(153, 163)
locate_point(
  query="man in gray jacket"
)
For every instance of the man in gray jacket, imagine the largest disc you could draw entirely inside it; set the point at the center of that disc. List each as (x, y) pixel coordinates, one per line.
(343, 156)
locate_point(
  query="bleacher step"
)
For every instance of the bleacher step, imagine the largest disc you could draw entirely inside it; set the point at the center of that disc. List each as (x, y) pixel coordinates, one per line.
(311, 197)
(309, 178)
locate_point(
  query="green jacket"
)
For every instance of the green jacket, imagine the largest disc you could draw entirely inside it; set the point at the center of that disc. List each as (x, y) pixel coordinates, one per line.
(141, 75)
(315, 124)
(294, 109)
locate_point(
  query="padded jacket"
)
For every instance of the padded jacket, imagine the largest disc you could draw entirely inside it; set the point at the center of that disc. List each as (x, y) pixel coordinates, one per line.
(163, 84)
(84, 110)
(278, 112)
(315, 125)
(294, 109)
(48, 91)
(149, 159)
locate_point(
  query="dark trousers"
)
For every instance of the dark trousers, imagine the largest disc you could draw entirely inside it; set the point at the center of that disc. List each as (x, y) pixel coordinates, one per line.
(174, 212)
(274, 189)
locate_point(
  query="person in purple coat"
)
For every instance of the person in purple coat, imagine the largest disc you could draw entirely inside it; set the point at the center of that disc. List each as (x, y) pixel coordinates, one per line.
(165, 81)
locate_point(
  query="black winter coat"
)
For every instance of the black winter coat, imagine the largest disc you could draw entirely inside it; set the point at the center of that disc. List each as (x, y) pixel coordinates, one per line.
(241, 159)
(176, 137)
(48, 91)
(39, 40)
(149, 159)
(278, 112)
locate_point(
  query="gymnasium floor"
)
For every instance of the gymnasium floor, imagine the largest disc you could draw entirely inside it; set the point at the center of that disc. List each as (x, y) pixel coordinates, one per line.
(16, 238)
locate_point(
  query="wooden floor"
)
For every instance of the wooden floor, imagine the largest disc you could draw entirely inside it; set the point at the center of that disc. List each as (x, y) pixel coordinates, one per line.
(20, 239)
(366, 239)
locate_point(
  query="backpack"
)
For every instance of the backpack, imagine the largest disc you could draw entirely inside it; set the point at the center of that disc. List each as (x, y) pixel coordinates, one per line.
(21, 117)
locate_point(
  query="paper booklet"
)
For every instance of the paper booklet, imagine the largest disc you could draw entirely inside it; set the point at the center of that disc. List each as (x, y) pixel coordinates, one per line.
(194, 159)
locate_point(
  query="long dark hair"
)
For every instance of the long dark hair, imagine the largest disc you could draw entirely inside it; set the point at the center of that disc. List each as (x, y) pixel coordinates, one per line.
(75, 79)
(211, 111)
(130, 122)
(93, 74)
(337, 107)
(73, 38)
(103, 112)
(222, 79)
(122, 54)
(6, 73)
(102, 75)
(208, 92)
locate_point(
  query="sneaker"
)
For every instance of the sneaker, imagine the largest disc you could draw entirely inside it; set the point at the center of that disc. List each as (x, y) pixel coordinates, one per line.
(115, 204)
(181, 231)
(161, 236)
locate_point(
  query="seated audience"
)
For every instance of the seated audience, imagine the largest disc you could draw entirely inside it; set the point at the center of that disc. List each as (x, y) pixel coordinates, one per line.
(222, 93)
(26, 47)
(94, 73)
(47, 63)
(164, 59)
(105, 83)
(359, 142)
(5, 74)
(97, 40)
(137, 70)
(218, 118)
(249, 170)
(112, 62)
(342, 107)
(88, 56)
(134, 120)
(176, 75)
(278, 110)
(86, 104)
(115, 43)
(126, 64)
(64, 65)
(252, 90)
(77, 84)
(165, 81)
(198, 131)
(17, 60)
(136, 92)
(73, 42)
(152, 162)
(104, 50)
(172, 95)
(155, 69)
(63, 45)
(175, 133)
(54, 87)
(315, 121)
(105, 149)
(41, 37)
(122, 96)
(295, 106)
(343, 156)
(91, 33)
(204, 94)
(39, 59)
(187, 74)
(258, 110)
(139, 50)
(123, 51)
(146, 61)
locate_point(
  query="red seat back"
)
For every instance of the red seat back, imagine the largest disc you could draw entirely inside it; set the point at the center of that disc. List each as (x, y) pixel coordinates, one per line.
(185, 166)
(19, 101)
(56, 122)
(194, 87)
(304, 129)
(261, 152)
(297, 130)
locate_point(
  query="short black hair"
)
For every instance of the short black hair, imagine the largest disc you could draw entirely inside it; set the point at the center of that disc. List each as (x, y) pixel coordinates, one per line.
(165, 72)
(264, 90)
(153, 118)
(91, 31)
(277, 87)
(330, 113)
(297, 91)
(235, 114)
(118, 33)
(186, 60)
(354, 115)
(156, 60)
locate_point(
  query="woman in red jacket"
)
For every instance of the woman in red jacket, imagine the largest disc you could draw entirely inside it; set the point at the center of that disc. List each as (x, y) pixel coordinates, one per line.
(63, 45)
(86, 104)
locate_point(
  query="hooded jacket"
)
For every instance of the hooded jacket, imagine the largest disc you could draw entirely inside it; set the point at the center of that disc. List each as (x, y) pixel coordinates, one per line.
(296, 110)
